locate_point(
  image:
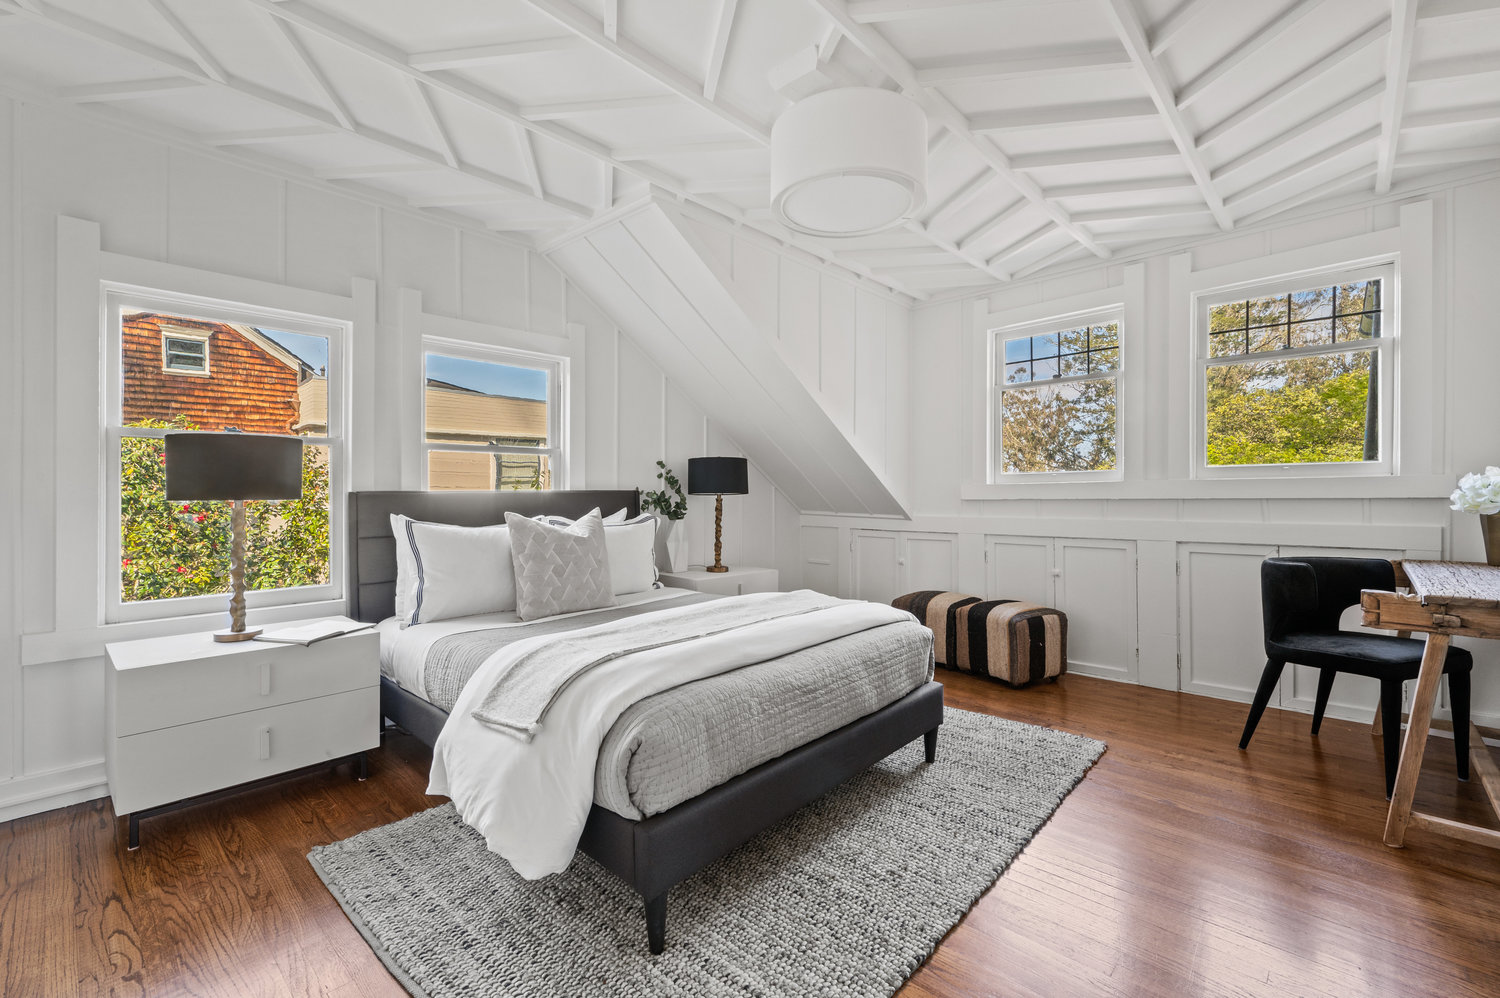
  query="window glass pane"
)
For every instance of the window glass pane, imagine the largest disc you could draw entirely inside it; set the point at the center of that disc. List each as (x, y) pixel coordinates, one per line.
(1018, 350)
(483, 402)
(1105, 360)
(1268, 311)
(1103, 337)
(1318, 332)
(1360, 296)
(1072, 364)
(1044, 345)
(476, 470)
(1357, 327)
(1316, 303)
(1073, 340)
(1226, 344)
(258, 380)
(173, 549)
(1017, 373)
(1042, 370)
(1067, 427)
(1230, 315)
(1267, 338)
(1294, 411)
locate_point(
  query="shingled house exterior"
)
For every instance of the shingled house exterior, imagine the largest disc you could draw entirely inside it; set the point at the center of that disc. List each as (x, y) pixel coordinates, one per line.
(214, 374)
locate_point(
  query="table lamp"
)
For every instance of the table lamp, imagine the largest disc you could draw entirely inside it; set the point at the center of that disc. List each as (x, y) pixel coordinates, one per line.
(234, 466)
(718, 476)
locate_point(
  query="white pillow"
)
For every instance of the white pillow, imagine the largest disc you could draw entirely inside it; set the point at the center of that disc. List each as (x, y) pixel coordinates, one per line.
(632, 550)
(444, 570)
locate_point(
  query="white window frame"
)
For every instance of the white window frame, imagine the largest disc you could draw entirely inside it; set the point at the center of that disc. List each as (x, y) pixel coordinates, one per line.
(179, 333)
(122, 298)
(997, 389)
(558, 388)
(1386, 347)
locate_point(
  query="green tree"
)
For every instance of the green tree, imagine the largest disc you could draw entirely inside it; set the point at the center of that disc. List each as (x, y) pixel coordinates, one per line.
(1061, 428)
(1284, 412)
(173, 549)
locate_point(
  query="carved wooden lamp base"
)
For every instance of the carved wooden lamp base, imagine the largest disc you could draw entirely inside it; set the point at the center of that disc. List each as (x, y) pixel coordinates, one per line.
(236, 630)
(718, 565)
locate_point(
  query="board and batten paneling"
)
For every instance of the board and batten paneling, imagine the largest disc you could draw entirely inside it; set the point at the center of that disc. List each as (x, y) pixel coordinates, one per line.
(1096, 588)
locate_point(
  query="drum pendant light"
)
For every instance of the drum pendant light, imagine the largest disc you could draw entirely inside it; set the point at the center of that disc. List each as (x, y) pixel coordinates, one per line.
(849, 162)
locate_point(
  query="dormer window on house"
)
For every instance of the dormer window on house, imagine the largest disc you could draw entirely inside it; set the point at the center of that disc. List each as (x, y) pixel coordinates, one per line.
(184, 352)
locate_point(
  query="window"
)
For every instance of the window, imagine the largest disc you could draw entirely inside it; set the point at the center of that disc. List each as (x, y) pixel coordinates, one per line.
(184, 352)
(1294, 374)
(491, 419)
(271, 373)
(1057, 399)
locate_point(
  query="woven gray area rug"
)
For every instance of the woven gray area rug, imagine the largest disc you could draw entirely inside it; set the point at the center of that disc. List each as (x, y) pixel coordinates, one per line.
(846, 897)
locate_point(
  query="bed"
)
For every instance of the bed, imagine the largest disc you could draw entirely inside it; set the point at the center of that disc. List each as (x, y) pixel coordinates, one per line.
(658, 844)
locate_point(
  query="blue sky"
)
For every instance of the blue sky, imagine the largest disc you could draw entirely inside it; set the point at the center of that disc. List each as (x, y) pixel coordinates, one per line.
(311, 349)
(490, 378)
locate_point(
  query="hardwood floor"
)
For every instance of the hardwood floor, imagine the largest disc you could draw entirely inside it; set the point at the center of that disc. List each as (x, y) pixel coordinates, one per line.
(1180, 866)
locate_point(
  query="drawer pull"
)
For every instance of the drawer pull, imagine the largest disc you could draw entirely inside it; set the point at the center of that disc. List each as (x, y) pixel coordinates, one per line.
(263, 743)
(265, 679)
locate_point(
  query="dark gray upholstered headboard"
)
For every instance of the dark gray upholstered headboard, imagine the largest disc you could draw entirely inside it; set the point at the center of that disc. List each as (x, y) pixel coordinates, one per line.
(372, 549)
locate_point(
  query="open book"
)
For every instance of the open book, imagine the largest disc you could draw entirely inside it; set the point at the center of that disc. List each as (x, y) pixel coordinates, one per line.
(312, 632)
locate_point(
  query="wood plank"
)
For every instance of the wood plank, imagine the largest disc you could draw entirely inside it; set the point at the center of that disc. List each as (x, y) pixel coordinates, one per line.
(1455, 829)
(1415, 742)
(1482, 762)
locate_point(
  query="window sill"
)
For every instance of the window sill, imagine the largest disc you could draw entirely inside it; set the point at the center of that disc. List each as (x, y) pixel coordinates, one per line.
(1344, 487)
(89, 642)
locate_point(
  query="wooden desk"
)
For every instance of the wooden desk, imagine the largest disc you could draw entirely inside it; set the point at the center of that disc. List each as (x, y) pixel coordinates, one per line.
(1447, 599)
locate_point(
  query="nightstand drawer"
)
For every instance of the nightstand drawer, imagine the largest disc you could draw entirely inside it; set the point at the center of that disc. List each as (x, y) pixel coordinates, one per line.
(169, 764)
(260, 675)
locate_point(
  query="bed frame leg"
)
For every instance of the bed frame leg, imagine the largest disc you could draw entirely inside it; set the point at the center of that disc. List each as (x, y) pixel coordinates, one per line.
(929, 742)
(656, 923)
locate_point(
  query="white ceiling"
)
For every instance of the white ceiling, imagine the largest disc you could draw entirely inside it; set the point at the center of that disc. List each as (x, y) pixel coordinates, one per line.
(1061, 129)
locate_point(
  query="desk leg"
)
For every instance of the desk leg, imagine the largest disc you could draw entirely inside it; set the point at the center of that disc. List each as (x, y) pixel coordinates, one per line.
(1399, 815)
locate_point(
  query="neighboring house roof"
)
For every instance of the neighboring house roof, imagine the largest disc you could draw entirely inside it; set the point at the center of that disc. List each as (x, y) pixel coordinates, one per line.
(454, 414)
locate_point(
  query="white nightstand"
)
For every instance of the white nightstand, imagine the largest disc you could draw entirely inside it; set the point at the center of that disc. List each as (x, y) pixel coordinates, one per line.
(188, 716)
(735, 582)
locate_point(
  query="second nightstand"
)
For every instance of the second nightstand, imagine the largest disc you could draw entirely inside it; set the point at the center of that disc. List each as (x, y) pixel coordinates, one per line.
(735, 582)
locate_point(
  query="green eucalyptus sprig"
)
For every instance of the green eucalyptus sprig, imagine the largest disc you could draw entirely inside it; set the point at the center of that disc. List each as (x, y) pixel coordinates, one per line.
(669, 501)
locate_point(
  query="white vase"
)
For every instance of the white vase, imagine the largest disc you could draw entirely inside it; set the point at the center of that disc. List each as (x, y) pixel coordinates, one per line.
(671, 545)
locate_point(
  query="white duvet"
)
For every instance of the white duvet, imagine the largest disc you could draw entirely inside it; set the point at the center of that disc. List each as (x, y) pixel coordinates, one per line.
(530, 799)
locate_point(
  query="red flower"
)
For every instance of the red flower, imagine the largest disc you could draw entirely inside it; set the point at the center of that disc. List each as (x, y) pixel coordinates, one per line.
(200, 518)
(126, 561)
(187, 508)
(181, 570)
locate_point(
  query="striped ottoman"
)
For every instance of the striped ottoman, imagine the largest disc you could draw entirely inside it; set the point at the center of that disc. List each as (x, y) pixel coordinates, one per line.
(1014, 642)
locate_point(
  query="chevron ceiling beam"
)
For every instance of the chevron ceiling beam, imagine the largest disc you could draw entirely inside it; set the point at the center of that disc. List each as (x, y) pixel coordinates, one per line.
(1393, 105)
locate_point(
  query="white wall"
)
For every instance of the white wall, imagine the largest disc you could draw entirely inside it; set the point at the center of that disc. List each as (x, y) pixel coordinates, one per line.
(193, 208)
(1160, 567)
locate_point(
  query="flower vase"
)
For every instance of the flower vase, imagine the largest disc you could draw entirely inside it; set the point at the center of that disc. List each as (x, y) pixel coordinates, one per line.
(671, 545)
(1489, 526)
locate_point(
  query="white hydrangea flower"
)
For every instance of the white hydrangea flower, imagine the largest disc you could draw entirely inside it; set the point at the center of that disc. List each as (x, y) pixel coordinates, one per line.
(1478, 493)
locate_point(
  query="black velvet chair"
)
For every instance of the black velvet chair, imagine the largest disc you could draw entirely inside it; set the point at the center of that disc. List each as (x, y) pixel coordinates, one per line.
(1301, 601)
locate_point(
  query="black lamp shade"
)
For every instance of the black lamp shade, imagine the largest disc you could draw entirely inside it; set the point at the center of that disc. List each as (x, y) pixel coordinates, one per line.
(233, 466)
(718, 476)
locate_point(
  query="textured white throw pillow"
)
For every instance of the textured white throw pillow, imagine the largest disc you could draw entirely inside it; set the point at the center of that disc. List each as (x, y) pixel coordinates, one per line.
(632, 550)
(444, 570)
(559, 569)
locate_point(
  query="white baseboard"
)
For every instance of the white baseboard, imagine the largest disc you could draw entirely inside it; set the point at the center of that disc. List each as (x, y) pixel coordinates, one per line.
(58, 788)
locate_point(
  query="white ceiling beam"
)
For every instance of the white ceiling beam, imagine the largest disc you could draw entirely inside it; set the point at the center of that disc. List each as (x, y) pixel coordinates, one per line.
(592, 31)
(1433, 10)
(1174, 23)
(1097, 112)
(1023, 244)
(260, 135)
(986, 266)
(1359, 175)
(1096, 154)
(1467, 115)
(1137, 234)
(201, 55)
(876, 11)
(1143, 211)
(528, 160)
(925, 253)
(1305, 165)
(1454, 69)
(684, 148)
(1299, 80)
(1393, 105)
(528, 224)
(373, 170)
(1263, 36)
(611, 23)
(1105, 188)
(719, 48)
(314, 73)
(942, 111)
(1449, 157)
(1047, 261)
(990, 66)
(922, 269)
(606, 187)
(439, 131)
(991, 225)
(611, 105)
(482, 55)
(958, 199)
(1132, 32)
(100, 93)
(462, 200)
(1294, 135)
